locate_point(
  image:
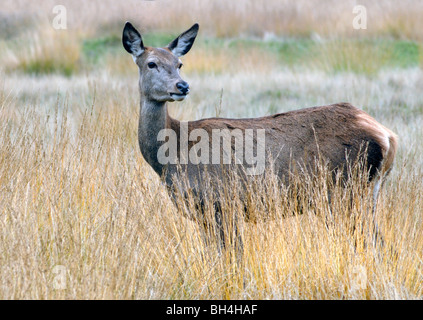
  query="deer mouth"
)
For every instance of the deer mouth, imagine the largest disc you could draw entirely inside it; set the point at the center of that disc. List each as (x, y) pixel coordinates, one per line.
(178, 96)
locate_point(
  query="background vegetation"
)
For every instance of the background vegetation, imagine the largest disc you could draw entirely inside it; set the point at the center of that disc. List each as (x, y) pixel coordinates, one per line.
(76, 193)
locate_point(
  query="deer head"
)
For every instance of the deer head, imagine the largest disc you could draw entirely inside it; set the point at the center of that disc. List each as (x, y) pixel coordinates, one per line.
(159, 67)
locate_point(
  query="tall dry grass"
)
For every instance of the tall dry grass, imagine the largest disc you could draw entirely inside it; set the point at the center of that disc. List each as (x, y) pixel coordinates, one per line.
(83, 216)
(76, 193)
(44, 51)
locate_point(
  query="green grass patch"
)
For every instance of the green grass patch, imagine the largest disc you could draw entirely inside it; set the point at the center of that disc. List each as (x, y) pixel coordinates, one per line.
(361, 56)
(364, 56)
(49, 66)
(405, 54)
(45, 53)
(158, 39)
(94, 50)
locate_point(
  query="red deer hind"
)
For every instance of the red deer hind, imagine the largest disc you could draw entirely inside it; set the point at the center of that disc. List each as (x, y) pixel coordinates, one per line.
(334, 132)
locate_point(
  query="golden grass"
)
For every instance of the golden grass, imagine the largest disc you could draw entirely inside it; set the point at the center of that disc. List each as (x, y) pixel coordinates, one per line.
(44, 51)
(76, 194)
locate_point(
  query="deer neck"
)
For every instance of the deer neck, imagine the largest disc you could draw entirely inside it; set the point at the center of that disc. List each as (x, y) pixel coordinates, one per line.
(153, 118)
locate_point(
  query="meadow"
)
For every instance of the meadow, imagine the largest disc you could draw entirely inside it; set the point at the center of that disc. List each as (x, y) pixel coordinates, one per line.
(83, 216)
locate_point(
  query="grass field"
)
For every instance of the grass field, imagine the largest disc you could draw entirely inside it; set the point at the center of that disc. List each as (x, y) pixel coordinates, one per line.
(83, 216)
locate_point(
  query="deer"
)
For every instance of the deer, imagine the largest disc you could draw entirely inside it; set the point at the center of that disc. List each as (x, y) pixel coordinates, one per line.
(336, 132)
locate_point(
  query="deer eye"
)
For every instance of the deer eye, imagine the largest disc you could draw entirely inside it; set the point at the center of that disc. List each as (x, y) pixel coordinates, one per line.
(152, 65)
(180, 66)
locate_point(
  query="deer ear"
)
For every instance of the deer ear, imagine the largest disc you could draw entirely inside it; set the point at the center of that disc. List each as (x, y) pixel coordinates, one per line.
(182, 44)
(131, 40)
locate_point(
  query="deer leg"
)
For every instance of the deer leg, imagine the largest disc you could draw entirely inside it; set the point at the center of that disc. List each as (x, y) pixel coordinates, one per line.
(228, 227)
(377, 236)
(220, 233)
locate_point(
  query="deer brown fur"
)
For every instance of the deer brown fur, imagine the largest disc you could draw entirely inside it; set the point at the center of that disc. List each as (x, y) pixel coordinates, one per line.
(336, 133)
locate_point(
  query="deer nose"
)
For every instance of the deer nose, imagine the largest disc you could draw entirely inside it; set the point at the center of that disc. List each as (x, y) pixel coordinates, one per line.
(183, 87)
